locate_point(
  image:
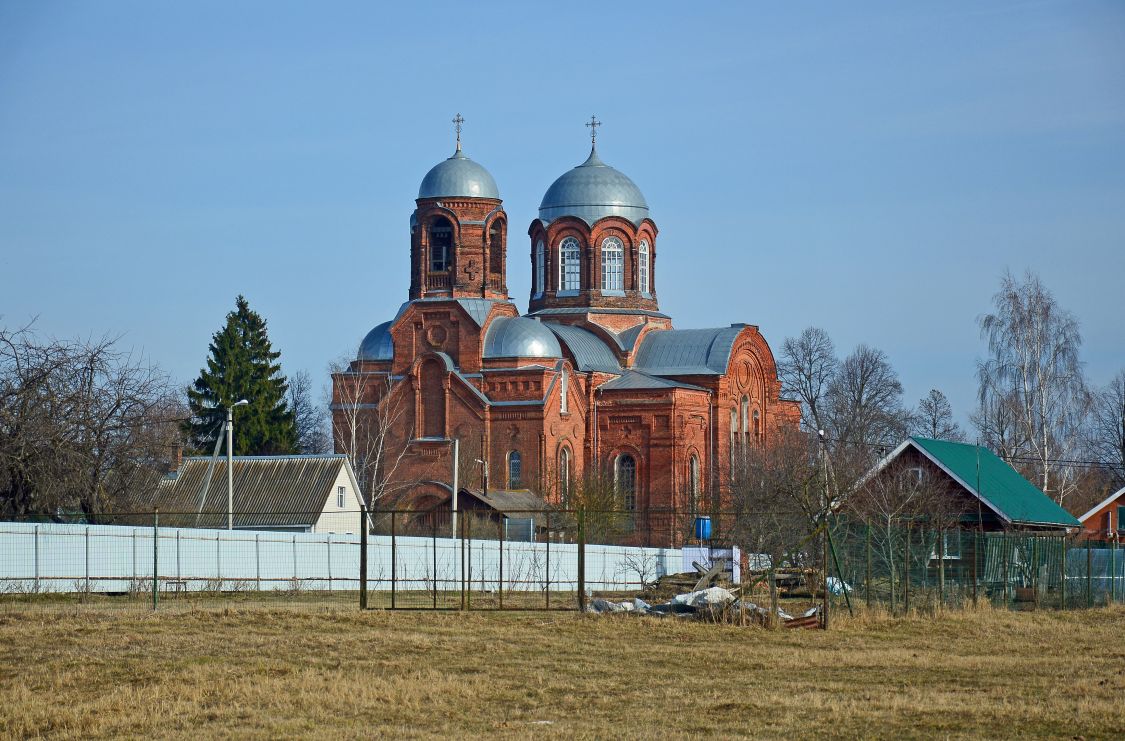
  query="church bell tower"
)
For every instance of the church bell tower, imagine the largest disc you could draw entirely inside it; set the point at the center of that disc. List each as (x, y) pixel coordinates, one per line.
(458, 232)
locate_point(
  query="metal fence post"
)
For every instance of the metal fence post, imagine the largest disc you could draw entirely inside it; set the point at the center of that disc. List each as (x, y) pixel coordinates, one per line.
(867, 580)
(547, 590)
(86, 554)
(155, 558)
(582, 560)
(36, 559)
(462, 533)
(1089, 574)
(906, 577)
(433, 541)
(500, 583)
(941, 567)
(1113, 571)
(328, 550)
(363, 556)
(257, 562)
(1007, 573)
(976, 560)
(394, 561)
(1062, 569)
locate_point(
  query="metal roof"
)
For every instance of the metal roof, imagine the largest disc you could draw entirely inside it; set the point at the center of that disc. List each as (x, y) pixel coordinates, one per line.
(476, 308)
(378, 345)
(686, 352)
(633, 381)
(993, 481)
(590, 353)
(520, 337)
(269, 491)
(509, 501)
(628, 338)
(458, 176)
(592, 191)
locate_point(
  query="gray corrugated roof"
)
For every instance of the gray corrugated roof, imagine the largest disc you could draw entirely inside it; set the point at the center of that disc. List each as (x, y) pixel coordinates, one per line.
(590, 353)
(269, 491)
(632, 380)
(687, 352)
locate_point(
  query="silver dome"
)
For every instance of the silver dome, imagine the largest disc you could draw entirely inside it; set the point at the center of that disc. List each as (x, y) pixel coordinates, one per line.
(458, 176)
(520, 337)
(378, 345)
(592, 191)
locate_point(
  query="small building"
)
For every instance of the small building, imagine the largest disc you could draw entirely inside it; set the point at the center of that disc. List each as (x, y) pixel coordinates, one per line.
(1104, 520)
(987, 493)
(291, 493)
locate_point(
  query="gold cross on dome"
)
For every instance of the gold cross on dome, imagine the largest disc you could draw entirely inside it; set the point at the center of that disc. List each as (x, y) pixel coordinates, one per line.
(594, 123)
(457, 121)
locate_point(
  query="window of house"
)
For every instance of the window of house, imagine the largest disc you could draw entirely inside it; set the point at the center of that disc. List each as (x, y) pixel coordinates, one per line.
(340, 492)
(693, 483)
(642, 267)
(515, 466)
(564, 384)
(540, 268)
(625, 478)
(570, 265)
(496, 249)
(564, 477)
(441, 245)
(613, 265)
(1120, 514)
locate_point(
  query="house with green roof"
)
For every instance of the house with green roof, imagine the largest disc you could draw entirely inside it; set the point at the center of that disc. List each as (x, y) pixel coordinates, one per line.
(989, 493)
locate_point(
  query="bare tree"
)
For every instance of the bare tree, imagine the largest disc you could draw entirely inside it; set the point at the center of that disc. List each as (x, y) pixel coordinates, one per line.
(864, 402)
(1033, 346)
(371, 425)
(310, 417)
(84, 427)
(1107, 428)
(808, 365)
(934, 418)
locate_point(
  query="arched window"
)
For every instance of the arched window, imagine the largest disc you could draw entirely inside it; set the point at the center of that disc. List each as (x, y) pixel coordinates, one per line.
(515, 469)
(693, 483)
(441, 245)
(540, 268)
(564, 384)
(757, 426)
(745, 417)
(733, 435)
(613, 264)
(496, 249)
(570, 265)
(642, 267)
(564, 477)
(625, 478)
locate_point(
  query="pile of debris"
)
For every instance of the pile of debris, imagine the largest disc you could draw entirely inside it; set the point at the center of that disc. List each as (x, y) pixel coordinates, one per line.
(713, 603)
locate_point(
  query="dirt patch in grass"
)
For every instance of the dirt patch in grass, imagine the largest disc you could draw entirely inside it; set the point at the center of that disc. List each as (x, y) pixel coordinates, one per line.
(268, 673)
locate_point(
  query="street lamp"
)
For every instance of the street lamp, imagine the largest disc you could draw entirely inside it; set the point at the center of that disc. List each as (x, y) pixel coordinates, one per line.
(230, 461)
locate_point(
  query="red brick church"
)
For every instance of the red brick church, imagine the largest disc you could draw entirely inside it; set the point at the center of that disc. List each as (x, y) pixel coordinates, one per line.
(593, 377)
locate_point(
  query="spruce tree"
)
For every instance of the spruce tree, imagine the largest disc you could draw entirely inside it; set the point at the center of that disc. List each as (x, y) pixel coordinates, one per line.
(242, 365)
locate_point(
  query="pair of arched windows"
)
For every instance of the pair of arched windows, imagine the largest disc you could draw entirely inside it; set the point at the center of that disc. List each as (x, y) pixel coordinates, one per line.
(613, 266)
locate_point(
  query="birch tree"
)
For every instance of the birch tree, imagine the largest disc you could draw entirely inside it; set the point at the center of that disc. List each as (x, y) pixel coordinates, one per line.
(1033, 365)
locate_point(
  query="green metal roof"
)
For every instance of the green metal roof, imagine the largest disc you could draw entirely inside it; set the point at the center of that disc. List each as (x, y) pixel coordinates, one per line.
(995, 483)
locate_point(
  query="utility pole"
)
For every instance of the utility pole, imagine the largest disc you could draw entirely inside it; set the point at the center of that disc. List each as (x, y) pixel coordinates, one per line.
(230, 461)
(824, 524)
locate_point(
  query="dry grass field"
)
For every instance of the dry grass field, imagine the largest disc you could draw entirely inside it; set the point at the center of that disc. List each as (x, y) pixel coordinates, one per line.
(283, 673)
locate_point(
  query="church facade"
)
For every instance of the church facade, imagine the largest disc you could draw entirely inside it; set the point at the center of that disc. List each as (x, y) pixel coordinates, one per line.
(593, 379)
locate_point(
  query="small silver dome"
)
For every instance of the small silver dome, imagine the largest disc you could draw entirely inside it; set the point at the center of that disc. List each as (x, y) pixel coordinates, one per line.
(592, 191)
(520, 337)
(378, 345)
(458, 176)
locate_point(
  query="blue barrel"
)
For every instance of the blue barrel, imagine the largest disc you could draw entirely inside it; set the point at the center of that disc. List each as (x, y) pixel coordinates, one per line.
(702, 528)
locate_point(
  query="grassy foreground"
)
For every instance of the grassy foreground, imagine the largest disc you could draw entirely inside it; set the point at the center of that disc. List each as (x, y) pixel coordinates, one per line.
(270, 673)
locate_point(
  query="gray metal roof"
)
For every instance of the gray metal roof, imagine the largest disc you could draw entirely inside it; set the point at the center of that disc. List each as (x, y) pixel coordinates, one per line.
(686, 352)
(628, 338)
(590, 353)
(632, 380)
(596, 310)
(592, 191)
(476, 308)
(269, 491)
(378, 345)
(519, 337)
(458, 176)
(514, 501)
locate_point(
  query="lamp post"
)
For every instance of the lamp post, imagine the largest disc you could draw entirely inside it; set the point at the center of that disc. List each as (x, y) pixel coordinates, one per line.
(230, 461)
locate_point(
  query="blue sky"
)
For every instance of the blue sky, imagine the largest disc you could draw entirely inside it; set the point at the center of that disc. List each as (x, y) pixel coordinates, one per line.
(870, 168)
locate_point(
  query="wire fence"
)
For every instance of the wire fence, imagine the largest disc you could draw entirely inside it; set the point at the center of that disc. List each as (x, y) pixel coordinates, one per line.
(541, 560)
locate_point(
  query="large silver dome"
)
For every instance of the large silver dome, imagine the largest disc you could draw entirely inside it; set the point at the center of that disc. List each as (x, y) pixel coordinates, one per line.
(458, 176)
(378, 345)
(520, 337)
(592, 191)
